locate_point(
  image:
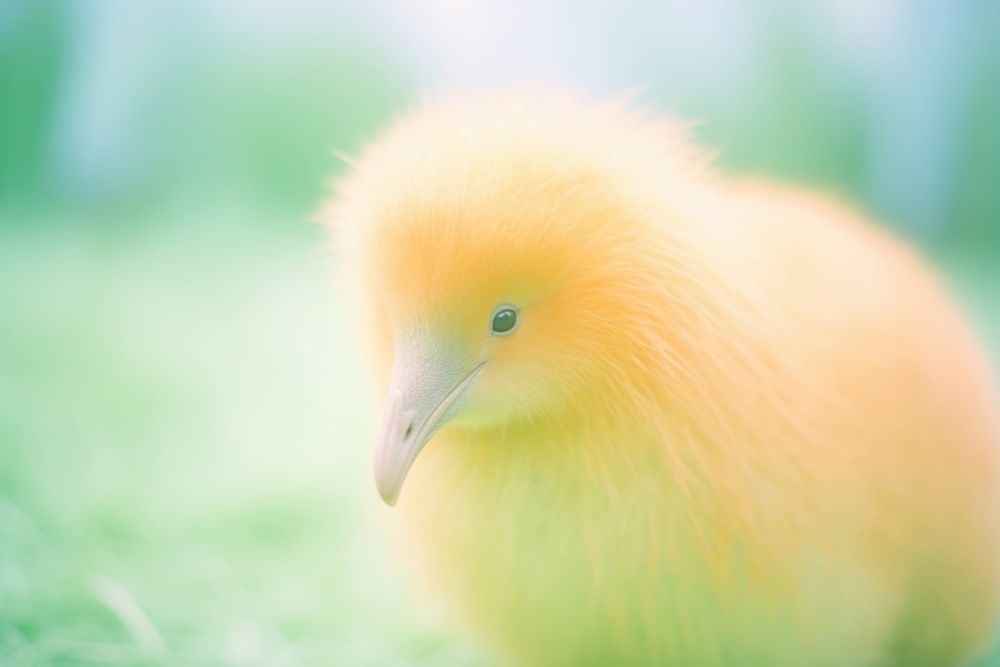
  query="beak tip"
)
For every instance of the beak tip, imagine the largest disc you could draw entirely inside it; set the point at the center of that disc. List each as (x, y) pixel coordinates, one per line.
(388, 481)
(388, 497)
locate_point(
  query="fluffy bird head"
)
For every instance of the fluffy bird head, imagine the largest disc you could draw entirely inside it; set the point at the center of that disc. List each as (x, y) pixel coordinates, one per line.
(515, 263)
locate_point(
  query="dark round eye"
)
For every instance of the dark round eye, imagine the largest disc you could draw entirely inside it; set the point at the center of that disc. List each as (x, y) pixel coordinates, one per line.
(504, 320)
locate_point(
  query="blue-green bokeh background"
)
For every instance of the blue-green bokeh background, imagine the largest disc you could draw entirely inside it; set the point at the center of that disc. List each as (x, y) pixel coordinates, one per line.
(184, 428)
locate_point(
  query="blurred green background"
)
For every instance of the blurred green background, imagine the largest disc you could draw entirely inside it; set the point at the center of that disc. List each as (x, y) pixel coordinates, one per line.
(185, 433)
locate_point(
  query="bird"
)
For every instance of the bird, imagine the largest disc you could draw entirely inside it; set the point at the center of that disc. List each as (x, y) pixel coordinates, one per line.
(648, 412)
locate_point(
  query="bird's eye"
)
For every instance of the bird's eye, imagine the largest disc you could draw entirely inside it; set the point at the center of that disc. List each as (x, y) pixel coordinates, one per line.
(503, 321)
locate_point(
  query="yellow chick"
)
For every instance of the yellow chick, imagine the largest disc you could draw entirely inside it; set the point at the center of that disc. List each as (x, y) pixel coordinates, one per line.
(664, 417)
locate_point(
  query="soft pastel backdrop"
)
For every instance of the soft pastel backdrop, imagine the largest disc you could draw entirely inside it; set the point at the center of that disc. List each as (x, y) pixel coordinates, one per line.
(185, 432)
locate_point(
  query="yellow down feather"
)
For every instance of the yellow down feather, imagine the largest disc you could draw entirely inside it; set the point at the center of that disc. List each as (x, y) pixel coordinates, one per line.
(737, 424)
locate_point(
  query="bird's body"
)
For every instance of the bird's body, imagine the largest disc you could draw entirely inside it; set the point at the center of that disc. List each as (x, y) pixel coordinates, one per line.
(736, 424)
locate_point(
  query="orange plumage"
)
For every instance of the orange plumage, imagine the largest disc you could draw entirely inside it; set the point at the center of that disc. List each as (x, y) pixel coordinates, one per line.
(735, 422)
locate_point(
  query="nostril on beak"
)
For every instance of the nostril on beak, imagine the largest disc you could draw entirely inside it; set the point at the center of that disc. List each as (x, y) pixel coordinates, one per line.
(411, 423)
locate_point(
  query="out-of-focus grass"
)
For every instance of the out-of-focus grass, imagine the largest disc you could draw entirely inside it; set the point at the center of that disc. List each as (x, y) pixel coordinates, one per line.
(184, 453)
(184, 456)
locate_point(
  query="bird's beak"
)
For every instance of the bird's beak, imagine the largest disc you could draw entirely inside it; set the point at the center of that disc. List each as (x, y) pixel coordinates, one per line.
(427, 385)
